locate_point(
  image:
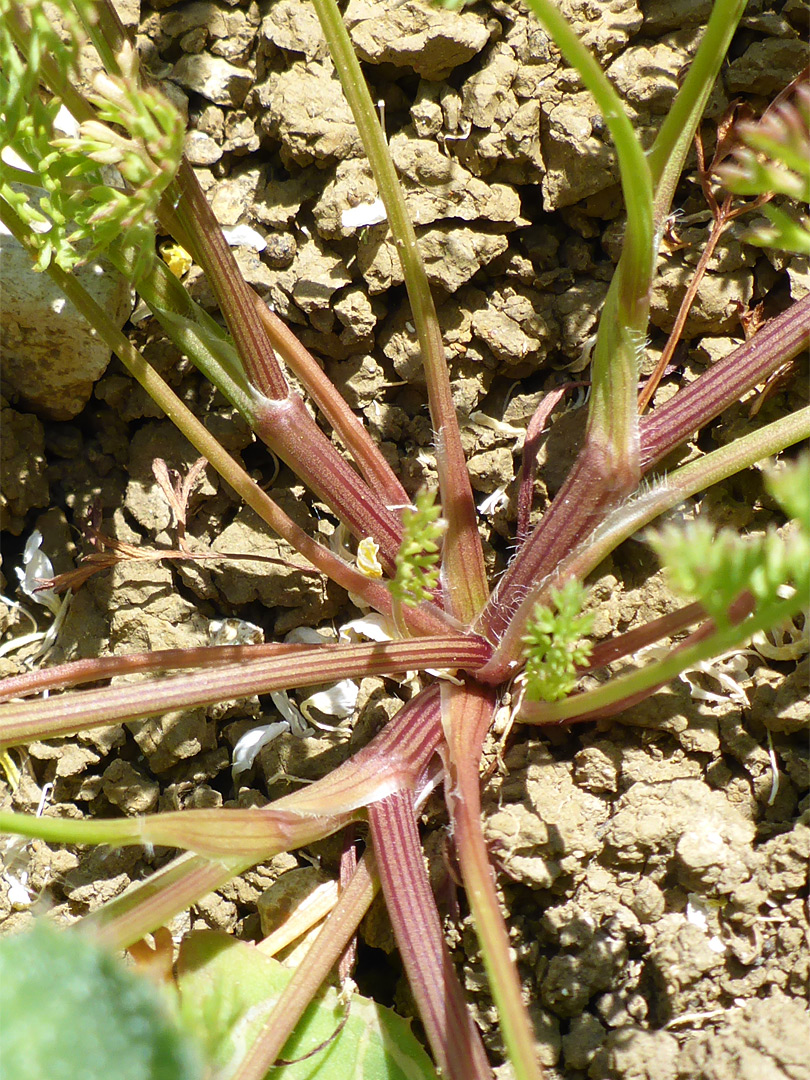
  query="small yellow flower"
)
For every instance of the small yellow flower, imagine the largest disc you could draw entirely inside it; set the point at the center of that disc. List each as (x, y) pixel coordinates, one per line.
(176, 258)
(367, 561)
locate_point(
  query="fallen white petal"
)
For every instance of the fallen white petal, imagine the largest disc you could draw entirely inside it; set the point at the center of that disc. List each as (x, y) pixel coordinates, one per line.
(246, 749)
(339, 700)
(18, 894)
(500, 426)
(374, 627)
(355, 217)
(491, 503)
(36, 567)
(244, 236)
(291, 714)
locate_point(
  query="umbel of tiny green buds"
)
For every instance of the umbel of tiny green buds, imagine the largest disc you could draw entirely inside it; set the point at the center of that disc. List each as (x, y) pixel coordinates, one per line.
(417, 562)
(555, 644)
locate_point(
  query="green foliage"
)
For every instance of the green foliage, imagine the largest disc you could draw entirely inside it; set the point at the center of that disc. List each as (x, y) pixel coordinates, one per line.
(715, 567)
(417, 563)
(228, 989)
(775, 158)
(71, 1010)
(20, 77)
(100, 185)
(554, 645)
(790, 486)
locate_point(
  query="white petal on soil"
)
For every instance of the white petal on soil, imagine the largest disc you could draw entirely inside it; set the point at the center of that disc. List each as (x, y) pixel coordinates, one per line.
(246, 749)
(291, 714)
(502, 428)
(491, 503)
(374, 627)
(355, 217)
(785, 642)
(18, 894)
(703, 913)
(244, 236)
(36, 566)
(339, 700)
(729, 670)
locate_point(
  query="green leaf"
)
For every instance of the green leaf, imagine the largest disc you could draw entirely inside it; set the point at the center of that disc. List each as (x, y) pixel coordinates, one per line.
(86, 206)
(71, 1010)
(784, 234)
(228, 989)
(790, 486)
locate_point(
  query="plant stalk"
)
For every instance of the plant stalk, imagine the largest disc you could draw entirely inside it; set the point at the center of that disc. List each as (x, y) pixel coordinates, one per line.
(451, 1032)
(725, 382)
(310, 974)
(466, 586)
(21, 722)
(467, 714)
(626, 520)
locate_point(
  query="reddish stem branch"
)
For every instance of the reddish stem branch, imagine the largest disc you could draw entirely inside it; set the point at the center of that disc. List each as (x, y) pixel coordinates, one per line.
(719, 226)
(531, 445)
(68, 713)
(370, 461)
(412, 908)
(737, 612)
(606, 652)
(725, 383)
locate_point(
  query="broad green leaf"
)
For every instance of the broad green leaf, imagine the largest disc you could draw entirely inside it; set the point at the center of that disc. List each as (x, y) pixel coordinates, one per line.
(70, 1010)
(228, 989)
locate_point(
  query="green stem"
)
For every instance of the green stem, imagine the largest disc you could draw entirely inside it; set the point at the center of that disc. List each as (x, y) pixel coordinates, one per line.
(312, 971)
(57, 81)
(146, 905)
(463, 560)
(668, 153)
(223, 834)
(191, 329)
(612, 418)
(106, 31)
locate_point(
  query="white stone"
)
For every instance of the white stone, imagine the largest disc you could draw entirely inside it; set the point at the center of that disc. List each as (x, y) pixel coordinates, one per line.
(51, 356)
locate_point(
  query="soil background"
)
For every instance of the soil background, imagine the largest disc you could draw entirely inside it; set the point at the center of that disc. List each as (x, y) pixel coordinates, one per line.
(654, 869)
